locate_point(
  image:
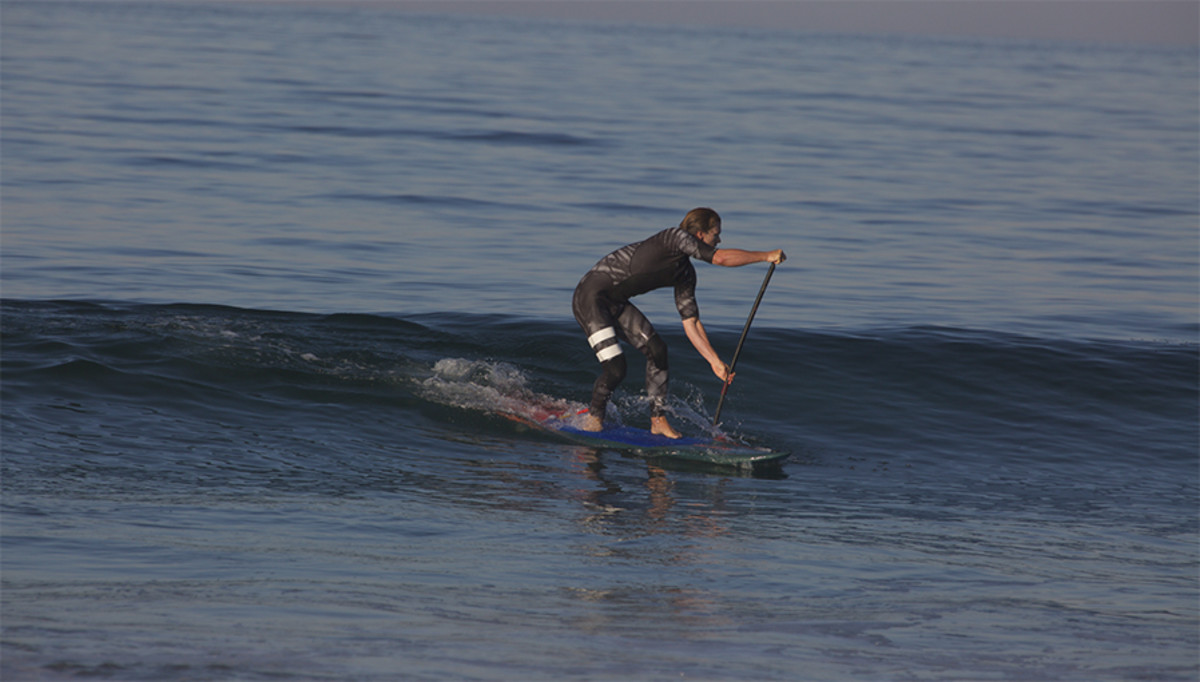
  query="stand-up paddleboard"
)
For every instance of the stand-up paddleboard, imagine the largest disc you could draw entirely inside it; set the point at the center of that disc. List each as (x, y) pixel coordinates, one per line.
(718, 451)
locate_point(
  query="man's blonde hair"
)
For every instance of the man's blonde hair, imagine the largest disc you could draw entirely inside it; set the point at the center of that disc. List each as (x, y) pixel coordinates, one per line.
(700, 220)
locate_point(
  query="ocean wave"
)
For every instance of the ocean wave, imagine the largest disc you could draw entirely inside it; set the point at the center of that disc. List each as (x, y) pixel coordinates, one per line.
(927, 395)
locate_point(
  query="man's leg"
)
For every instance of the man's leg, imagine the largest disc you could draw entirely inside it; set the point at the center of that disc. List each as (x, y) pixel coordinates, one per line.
(639, 332)
(612, 373)
(595, 315)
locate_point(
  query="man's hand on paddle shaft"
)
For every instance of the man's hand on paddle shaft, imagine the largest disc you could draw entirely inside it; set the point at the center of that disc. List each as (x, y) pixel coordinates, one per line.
(722, 371)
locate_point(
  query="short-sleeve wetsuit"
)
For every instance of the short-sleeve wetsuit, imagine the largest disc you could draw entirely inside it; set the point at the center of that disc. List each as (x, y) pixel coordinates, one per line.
(601, 306)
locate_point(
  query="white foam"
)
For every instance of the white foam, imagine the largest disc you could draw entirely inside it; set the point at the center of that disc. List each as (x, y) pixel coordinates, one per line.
(490, 387)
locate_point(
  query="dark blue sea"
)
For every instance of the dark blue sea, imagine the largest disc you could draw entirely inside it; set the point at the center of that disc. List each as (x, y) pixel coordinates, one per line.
(270, 271)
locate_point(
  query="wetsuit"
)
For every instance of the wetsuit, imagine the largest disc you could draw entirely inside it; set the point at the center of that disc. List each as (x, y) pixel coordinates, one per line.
(601, 306)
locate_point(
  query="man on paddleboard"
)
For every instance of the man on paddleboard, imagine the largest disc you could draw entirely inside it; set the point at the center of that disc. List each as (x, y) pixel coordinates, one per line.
(601, 306)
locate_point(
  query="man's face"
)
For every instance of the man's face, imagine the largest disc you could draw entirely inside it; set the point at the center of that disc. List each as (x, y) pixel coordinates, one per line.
(712, 237)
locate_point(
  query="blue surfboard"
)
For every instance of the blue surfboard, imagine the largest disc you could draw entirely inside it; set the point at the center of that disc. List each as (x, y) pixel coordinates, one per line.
(718, 451)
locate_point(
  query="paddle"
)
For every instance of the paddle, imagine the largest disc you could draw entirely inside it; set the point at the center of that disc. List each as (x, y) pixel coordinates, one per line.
(736, 353)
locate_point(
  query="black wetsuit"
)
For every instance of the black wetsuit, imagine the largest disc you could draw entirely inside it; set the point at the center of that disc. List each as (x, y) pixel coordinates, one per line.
(601, 306)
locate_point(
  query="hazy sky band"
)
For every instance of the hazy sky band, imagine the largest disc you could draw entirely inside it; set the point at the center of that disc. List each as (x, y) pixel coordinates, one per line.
(1163, 22)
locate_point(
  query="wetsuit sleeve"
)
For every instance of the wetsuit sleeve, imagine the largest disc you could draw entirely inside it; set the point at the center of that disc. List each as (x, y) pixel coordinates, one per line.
(693, 247)
(685, 294)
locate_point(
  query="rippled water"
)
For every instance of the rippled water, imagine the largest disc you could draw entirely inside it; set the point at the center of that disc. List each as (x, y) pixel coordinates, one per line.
(366, 160)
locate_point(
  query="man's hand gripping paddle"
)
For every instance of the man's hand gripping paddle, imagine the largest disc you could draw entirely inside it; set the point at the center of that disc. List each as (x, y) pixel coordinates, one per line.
(736, 353)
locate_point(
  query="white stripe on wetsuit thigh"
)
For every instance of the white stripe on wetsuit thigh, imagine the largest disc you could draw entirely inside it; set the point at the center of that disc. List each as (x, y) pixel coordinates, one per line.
(605, 344)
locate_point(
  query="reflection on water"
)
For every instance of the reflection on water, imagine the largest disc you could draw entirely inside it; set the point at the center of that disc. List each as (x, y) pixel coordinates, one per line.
(648, 506)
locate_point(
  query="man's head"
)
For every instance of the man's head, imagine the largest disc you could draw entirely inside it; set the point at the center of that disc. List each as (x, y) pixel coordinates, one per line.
(704, 224)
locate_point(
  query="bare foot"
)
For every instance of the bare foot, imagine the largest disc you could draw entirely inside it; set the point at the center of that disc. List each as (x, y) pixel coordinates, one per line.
(659, 426)
(591, 423)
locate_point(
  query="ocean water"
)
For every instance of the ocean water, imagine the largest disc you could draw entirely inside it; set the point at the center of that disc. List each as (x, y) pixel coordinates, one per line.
(270, 270)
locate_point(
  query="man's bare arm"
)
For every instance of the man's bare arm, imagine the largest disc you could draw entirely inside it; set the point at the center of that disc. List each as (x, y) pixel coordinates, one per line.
(733, 258)
(699, 338)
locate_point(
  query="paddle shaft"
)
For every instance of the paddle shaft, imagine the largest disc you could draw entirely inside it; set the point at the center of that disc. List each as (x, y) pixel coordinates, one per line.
(741, 341)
